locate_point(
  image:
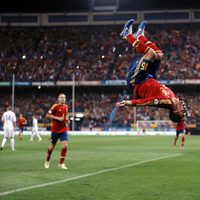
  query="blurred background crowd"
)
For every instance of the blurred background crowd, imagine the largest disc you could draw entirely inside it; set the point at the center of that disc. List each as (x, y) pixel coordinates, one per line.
(93, 53)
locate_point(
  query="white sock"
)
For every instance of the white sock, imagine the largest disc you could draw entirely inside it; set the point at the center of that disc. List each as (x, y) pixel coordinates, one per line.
(12, 142)
(32, 136)
(3, 142)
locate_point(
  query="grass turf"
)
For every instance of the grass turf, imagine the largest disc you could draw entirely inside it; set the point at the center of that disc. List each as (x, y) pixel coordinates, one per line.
(164, 178)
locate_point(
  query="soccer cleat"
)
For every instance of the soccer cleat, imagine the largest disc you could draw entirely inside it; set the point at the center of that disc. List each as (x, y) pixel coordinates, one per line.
(140, 30)
(46, 165)
(127, 29)
(62, 166)
(1, 149)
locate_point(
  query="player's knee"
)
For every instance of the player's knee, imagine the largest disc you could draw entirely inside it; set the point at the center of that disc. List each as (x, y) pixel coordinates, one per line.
(150, 54)
(159, 55)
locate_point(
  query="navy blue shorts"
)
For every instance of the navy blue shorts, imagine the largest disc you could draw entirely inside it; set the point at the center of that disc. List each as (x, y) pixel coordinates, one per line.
(178, 132)
(55, 136)
(21, 129)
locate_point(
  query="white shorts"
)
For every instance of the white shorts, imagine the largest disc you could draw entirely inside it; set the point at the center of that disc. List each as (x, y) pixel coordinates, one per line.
(35, 130)
(9, 132)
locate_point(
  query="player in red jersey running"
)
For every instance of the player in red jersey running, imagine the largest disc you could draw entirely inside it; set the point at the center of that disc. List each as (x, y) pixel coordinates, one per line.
(21, 122)
(147, 91)
(58, 114)
(180, 131)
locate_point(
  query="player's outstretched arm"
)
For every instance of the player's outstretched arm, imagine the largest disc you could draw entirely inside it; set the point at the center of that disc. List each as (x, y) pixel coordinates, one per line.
(124, 103)
(145, 102)
(134, 103)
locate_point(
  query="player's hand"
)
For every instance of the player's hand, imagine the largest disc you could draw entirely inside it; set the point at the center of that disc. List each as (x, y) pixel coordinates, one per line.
(121, 103)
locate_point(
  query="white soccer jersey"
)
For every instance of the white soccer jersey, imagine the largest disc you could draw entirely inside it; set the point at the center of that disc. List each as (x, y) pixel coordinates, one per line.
(8, 119)
(35, 123)
(35, 129)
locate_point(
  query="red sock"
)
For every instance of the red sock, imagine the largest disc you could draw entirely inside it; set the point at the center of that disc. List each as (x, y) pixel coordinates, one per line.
(183, 141)
(49, 151)
(139, 46)
(143, 39)
(63, 154)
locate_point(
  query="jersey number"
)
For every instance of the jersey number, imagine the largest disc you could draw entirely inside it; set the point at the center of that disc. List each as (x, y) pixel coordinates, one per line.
(8, 117)
(144, 66)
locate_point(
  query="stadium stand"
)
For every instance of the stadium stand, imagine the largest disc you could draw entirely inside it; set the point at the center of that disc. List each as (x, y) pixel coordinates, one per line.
(41, 54)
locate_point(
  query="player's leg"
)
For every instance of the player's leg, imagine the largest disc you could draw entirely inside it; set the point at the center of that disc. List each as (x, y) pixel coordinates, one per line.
(138, 40)
(54, 139)
(182, 140)
(176, 137)
(139, 34)
(38, 136)
(32, 134)
(12, 141)
(64, 139)
(126, 34)
(20, 133)
(6, 136)
(31, 139)
(3, 142)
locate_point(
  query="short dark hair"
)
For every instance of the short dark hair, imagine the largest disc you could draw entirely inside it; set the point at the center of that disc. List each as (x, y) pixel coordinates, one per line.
(9, 107)
(175, 116)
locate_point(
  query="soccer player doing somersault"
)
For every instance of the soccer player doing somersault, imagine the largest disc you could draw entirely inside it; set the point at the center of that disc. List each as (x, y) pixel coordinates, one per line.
(147, 91)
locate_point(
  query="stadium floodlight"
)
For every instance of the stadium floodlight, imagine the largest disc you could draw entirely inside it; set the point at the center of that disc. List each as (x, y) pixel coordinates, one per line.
(79, 115)
(24, 57)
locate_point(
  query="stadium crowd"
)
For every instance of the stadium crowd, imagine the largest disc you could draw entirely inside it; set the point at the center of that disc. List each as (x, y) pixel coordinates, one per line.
(93, 53)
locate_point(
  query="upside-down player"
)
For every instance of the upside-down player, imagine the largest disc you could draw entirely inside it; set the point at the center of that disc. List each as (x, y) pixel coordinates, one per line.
(147, 91)
(21, 122)
(58, 114)
(180, 131)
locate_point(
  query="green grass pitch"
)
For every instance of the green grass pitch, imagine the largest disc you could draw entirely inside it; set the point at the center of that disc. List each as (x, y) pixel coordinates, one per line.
(103, 168)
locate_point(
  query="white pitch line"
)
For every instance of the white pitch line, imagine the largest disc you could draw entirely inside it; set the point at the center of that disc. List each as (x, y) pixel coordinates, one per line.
(86, 175)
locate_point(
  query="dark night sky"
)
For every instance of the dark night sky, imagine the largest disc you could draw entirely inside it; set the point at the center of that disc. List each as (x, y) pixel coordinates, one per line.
(85, 5)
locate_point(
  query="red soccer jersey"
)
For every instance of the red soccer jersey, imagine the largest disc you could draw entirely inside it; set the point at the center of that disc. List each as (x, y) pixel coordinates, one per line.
(58, 110)
(152, 89)
(21, 122)
(180, 126)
